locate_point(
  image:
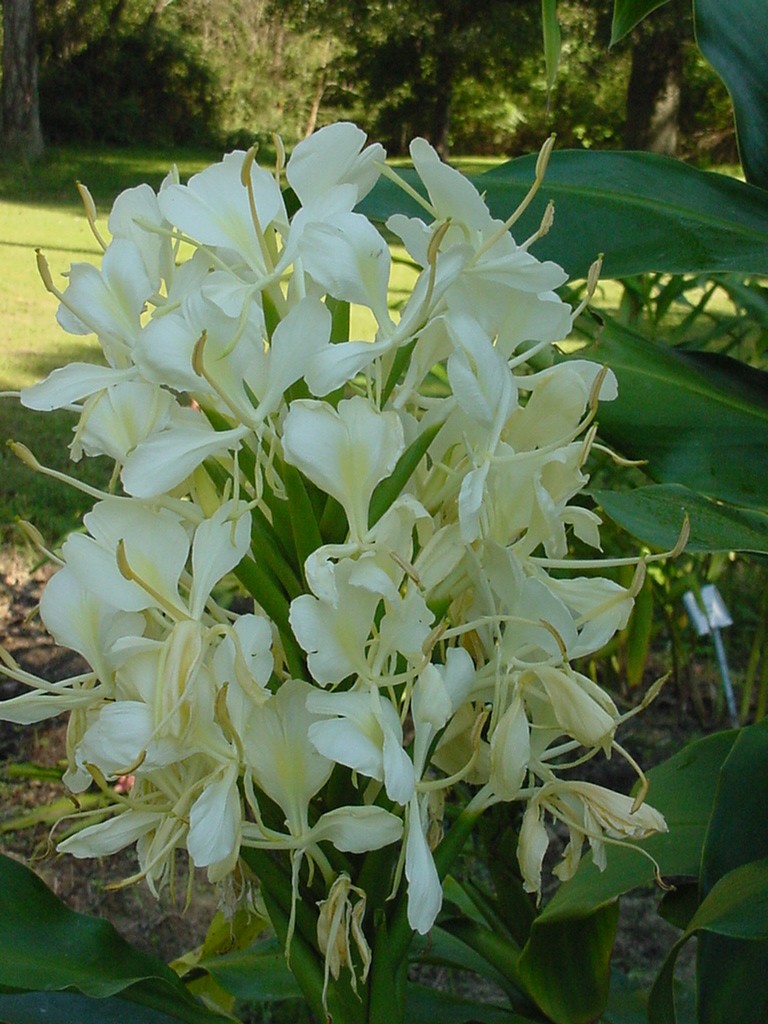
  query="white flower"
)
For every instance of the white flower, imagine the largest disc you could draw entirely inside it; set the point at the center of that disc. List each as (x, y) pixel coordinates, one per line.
(364, 733)
(345, 451)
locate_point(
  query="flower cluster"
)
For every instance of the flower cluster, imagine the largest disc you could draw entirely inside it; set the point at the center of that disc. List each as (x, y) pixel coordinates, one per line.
(398, 511)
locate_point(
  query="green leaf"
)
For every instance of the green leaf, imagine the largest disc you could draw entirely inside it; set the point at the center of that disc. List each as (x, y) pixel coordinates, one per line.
(645, 212)
(628, 1002)
(429, 1004)
(732, 38)
(738, 830)
(500, 952)
(565, 965)
(389, 489)
(639, 634)
(655, 514)
(732, 982)
(551, 32)
(45, 946)
(339, 311)
(443, 949)
(737, 904)
(628, 13)
(696, 421)
(68, 1007)
(736, 907)
(257, 975)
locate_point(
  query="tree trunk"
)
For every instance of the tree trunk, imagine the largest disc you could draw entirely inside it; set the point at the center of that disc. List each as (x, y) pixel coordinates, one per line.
(446, 44)
(443, 103)
(21, 132)
(653, 96)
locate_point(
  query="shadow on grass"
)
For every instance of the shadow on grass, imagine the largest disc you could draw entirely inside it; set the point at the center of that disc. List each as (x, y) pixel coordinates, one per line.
(38, 363)
(51, 180)
(53, 506)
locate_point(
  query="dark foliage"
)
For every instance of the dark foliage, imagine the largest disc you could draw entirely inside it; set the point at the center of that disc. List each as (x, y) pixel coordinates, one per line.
(149, 85)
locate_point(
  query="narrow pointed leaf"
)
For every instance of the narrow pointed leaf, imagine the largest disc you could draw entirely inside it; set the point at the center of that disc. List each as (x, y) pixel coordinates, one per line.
(306, 532)
(443, 949)
(644, 212)
(628, 13)
(732, 38)
(551, 32)
(388, 490)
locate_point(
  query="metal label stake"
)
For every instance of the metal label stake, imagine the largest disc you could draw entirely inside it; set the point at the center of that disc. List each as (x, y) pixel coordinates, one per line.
(709, 615)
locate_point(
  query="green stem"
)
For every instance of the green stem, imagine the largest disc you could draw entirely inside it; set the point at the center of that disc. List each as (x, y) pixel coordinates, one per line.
(304, 527)
(265, 546)
(262, 587)
(501, 953)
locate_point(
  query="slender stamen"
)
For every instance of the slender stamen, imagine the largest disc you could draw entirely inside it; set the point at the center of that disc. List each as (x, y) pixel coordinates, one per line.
(391, 173)
(90, 213)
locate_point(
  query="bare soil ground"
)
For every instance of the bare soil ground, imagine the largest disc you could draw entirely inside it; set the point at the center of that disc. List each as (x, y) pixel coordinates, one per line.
(159, 926)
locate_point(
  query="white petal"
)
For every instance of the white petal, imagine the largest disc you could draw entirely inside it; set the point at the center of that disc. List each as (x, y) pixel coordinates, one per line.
(425, 893)
(350, 260)
(510, 751)
(214, 822)
(345, 451)
(331, 156)
(357, 829)
(166, 459)
(109, 836)
(117, 739)
(219, 545)
(213, 207)
(71, 383)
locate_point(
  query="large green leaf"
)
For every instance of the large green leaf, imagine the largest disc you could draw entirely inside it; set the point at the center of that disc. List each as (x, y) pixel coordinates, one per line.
(644, 212)
(565, 965)
(429, 1004)
(732, 981)
(628, 13)
(257, 975)
(656, 513)
(736, 911)
(696, 420)
(733, 39)
(443, 949)
(45, 946)
(69, 1008)
(628, 1002)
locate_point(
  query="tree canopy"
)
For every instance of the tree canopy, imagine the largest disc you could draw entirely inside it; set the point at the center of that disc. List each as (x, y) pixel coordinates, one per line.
(468, 77)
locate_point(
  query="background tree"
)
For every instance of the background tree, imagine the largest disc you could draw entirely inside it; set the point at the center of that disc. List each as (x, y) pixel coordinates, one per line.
(21, 131)
(656, 80)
